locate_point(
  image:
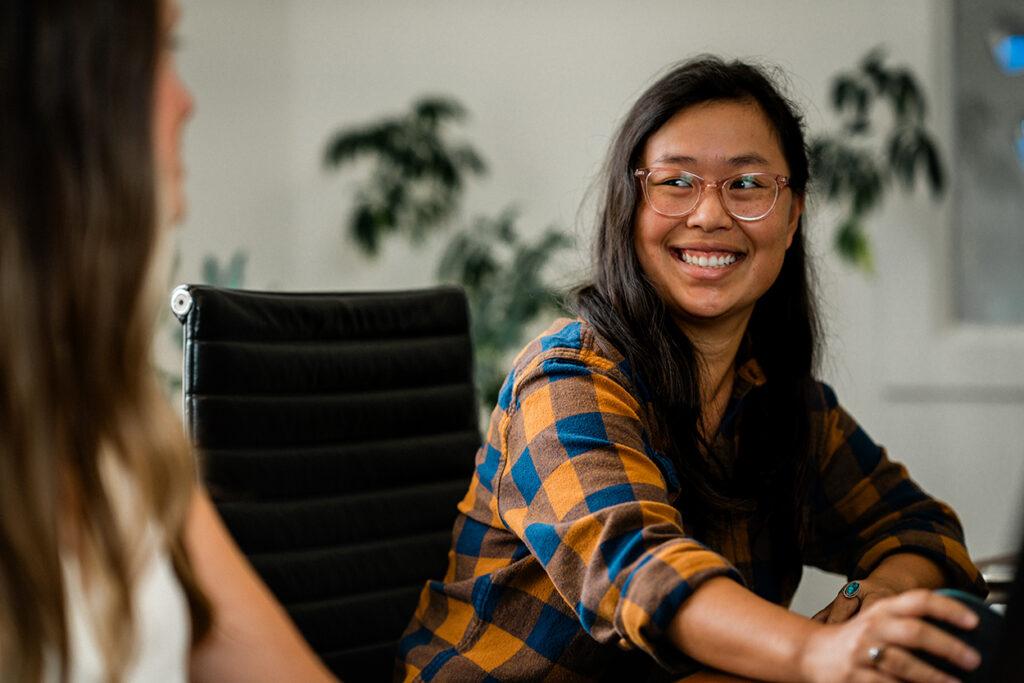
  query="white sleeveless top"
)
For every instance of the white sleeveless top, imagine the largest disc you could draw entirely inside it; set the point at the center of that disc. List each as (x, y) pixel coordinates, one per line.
(162, 628)
(162, 622)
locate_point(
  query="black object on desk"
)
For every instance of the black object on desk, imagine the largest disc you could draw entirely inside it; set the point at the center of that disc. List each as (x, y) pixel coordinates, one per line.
(1008, 660)
(999, 639)
(985, 638)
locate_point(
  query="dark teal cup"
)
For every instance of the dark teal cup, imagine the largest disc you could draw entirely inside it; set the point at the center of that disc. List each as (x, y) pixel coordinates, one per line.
(984, 638)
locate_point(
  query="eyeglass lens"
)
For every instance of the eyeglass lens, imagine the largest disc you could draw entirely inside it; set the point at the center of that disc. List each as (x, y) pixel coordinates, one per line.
(675, 193)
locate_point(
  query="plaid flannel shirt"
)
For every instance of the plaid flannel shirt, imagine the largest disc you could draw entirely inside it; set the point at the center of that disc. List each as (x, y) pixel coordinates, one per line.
(569, 558)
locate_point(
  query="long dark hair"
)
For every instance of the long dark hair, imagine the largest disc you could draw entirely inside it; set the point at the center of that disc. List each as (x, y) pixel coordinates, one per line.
(771, 472)
(78, 231)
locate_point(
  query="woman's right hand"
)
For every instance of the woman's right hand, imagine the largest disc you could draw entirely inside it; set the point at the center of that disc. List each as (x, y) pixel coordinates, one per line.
(890, 630)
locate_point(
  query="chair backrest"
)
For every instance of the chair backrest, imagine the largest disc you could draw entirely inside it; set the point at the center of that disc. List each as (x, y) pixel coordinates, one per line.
(336, 434)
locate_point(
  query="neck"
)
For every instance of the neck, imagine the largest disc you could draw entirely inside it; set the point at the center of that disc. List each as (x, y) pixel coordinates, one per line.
(716, 344)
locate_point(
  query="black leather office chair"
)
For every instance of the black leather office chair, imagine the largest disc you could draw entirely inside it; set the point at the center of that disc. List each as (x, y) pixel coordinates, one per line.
(336, 434)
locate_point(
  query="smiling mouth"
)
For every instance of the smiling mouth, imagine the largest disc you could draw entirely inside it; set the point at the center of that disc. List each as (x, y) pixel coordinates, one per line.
(707, 259)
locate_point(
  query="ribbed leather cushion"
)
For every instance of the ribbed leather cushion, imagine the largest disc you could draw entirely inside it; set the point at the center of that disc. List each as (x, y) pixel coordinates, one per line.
(337, 434)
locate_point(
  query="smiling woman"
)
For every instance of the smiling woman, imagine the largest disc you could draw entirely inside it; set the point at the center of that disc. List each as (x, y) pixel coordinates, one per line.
(658, 470)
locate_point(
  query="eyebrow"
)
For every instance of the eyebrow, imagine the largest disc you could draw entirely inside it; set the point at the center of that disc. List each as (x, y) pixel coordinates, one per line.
(746, 159)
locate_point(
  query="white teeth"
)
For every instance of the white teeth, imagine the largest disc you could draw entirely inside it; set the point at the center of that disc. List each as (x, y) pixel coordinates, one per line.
(709, 261)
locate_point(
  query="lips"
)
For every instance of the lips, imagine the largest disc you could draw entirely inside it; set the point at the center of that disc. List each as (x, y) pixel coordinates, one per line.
(707, 258)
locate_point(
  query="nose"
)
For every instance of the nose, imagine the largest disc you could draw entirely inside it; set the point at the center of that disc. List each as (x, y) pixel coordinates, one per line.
(186, 101)
(709, 214)
(189, 104)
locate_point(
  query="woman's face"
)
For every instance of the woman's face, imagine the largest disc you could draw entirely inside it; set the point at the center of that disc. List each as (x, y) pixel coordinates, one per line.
(172, 108)
(715, 140)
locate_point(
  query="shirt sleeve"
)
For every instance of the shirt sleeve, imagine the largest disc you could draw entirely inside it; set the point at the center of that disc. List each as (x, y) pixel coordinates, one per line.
(582, 489)
(865, 507)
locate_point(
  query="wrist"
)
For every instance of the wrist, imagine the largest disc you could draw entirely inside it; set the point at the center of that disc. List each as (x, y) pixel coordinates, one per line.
(801, 660)
(906, 571)
(812, 656)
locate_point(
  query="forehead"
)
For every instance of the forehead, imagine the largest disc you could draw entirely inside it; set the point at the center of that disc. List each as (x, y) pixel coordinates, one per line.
(715, 133)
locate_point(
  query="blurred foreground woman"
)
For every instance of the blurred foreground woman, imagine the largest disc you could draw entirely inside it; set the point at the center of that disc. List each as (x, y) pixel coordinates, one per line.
(113, 563)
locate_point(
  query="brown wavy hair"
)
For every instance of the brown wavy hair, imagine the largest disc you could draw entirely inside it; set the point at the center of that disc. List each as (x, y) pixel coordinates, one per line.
(78, 234)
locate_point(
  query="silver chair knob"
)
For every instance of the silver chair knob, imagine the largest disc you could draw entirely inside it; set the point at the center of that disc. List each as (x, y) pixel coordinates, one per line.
(181, 301)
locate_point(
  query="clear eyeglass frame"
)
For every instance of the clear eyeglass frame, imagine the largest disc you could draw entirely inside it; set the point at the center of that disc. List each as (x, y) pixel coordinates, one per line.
(644, 174)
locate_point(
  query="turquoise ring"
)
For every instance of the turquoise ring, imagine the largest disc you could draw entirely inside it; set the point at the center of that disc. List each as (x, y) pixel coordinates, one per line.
(851, 589)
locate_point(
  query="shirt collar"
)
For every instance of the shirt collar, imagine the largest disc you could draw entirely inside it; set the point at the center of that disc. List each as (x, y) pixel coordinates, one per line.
(748, 375)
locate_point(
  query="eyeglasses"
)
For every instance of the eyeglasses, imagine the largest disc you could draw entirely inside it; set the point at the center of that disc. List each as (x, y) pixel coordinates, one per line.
(673, 192)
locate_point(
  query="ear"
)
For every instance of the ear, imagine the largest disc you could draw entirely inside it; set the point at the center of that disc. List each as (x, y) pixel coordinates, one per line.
(796, 209)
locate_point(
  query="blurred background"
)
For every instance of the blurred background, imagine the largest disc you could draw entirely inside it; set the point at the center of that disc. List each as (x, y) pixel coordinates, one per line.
(925, 331)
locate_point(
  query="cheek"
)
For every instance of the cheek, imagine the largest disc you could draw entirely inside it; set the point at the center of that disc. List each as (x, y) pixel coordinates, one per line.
(645, 240)
(775, 254)
(171, 107)
(650, 229)
(162, 125)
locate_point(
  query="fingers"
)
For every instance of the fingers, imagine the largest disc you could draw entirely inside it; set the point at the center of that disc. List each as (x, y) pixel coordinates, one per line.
(870, 599)
(891, 632)
(913, 634)
(924, 603)
(842, 609)
(903, 666)
(822, 616)
(873, 676)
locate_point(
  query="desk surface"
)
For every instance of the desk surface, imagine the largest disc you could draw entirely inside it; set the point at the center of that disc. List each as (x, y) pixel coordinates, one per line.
(712, 677)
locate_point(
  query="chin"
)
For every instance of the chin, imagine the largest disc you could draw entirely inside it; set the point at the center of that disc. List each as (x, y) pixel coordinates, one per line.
(172, 211)
(179, 213)
(703, 310)
(705, 313)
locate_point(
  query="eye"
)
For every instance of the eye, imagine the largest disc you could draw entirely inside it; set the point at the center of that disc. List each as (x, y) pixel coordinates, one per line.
(684, 181)
(747, 182)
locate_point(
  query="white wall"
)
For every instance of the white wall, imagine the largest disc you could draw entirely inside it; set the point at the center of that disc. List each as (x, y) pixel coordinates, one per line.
(545, 84)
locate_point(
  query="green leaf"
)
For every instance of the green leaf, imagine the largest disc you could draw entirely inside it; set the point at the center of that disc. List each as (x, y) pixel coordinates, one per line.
(231, 274)
(901, 152)
(933, 163)
(363, 229)
(855, 170)
(437, 109)
(467, 159)
(349, 144)
(846, 91)
(852, 245)
(211, 270)
(503, 278)
(873, 68)
(236, 269)
(414, 186)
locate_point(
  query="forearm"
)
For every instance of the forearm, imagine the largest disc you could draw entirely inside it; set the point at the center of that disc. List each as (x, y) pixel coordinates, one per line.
(251, 638)
(905, 571)
(725, 626)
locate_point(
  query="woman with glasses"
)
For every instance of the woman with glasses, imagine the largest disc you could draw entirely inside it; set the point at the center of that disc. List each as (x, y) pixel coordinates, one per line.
(113, 563)
(658, 470)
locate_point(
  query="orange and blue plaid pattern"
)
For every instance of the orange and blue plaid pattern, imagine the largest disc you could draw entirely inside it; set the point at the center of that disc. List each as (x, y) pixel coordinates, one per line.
(569, 558)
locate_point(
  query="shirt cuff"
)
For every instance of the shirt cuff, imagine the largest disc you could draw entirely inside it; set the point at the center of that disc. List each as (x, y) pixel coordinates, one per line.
(656, 589)
(949, 554)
